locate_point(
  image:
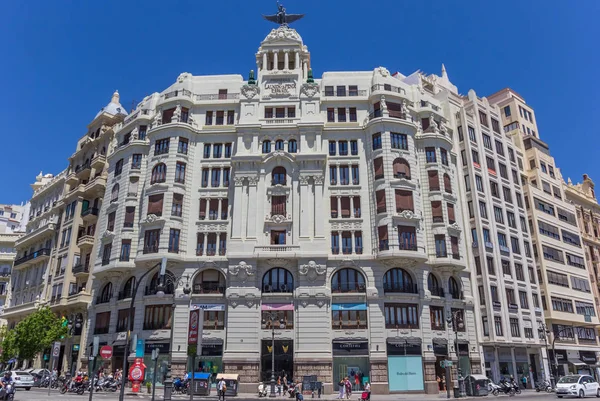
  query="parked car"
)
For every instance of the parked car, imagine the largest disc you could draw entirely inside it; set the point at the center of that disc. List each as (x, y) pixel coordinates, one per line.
(21, 379)
(577, 386)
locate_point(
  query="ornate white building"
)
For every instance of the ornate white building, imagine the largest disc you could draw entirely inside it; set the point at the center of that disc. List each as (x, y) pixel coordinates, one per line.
(331, 203)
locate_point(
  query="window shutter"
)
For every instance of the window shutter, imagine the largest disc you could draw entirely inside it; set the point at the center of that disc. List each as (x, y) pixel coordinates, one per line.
(155, 204)
(451, 217)
(129, 215)
(380, 196)
(401, 168)
(334, 204)
(436, 209)
(454, 242)
(345, 206)
(434, 181)
(425, 123)
(447, 184)
(378, 165)
(383, 233)
(404, 200)
(202, 208)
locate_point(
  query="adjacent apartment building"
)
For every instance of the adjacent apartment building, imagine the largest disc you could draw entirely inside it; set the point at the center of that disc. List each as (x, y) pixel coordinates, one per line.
(567, 299)
(13, 218)
(55, 254)
(326, 209)
(503, 266)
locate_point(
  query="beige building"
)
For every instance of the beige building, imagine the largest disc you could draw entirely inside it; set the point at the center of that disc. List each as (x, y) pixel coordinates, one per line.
(55, 255)
(567, 297)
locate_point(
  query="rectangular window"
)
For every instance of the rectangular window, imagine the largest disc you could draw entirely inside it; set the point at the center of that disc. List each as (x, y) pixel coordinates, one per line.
(557, 279)
(220, 117)
(155, 204)
(329, 91)
(119, 167)
(217, 150)
(495, 126)
(129, 216)
(161, 146)
(498, 215)
(498, 326)
(444, 154)
(177, 205)
(174, 240)
(110, 224)
(268, 113)
(343, 148)
(483, 119)
(514, 244)
(102, 323)
(514, 327)
(486, 328)
(585, 308)
(519, 272)
(352, 114)
(352, 90)
(467, 183)
(230, 117)
(430, 155)
(348, 319)
(136, 161)
(472, 134)
(354, 148)
(376, 141)
(580, 284)
(487, 141)
(507, 111)
(491, 165)
(507, 195)
(215, 177)
(125, 250)
(331, 115)
(523, 300)
(503, 171)
(436, 316)
(378, 167)
(440, 246)
(151, 241)
(340, 90)
(106, 251)
(401, 316)
(227, 150)
(483, 210)
(182, 148)
(561, 304)
(494, 189)
(157, 317)
(123, 319)
(341, 114)
(475, 158)
(207, 147)
(180, 172)
(355, 175)
(399, 141)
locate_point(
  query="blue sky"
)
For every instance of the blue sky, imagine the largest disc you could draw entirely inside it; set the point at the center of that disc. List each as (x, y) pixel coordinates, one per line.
(63, 59)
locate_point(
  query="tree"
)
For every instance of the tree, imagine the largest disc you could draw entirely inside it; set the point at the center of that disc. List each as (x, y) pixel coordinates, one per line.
(34, 334)
(7, 343)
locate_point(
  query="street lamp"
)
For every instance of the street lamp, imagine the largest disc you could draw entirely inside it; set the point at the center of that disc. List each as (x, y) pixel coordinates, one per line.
(544, 332)
(164, 281)
(455, 318)
(130, 325)
(273, 319)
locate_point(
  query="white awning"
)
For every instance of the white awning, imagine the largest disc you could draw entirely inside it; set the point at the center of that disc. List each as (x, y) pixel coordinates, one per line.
(576, 362)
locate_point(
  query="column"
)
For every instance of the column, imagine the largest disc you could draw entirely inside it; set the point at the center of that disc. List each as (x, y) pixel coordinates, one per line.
(207, 211)
(286, 59)
(219, 209)
(514, 362)
(320, 211)
(304, 205)
(205, 244)
(339, 206)
(352, 245)
(236, 213)
(252, 202)
(275, 60)
(265, 65)
(296, 59)
(304, 70)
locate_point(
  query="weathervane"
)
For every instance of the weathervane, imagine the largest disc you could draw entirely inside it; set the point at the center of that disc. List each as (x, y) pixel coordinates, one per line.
(281, 17)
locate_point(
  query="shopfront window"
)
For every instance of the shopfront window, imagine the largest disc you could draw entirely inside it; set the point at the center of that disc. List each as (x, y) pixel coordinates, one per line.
(284, 359)
(351, 359)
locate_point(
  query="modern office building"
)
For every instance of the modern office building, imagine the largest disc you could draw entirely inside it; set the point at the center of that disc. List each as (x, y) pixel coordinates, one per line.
(569, 309)
(324, 209)
(502, 261)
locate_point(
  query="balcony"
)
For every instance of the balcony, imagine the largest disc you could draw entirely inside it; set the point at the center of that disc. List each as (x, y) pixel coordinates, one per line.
(437, 292)
(349, 93)
(81, 270)
(272, 251)
(387, 250)
(85, 242)
(98, 162)
(403, 288)
(103, 299)
(96, 186)
(124, 295)
(152, 291)
(208, 288)
(72, 179)
(457, 295)
(278, 218)
(83, 171)
(35, 257)
(4, 276)
(218, 96)
(36, 236)
(178, 93)
(349, 287)
(90, 214)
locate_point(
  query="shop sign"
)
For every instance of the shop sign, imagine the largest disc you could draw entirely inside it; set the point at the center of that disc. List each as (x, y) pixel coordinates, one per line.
(561, 355)
(440, 347)
(212, 349)
(193, 327)
(588, 357)
(350, 348)
(405, 373)
(410, 347)
(208, 307)
(359, 306)
(164, 348)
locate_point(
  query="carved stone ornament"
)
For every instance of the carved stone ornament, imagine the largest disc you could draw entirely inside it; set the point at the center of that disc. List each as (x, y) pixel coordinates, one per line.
(384, 72)
(176, 114)
(151, 218)
(157, 120)
(283, 32)
(242, 270)
(400, 262)
(108, 235)
(454, 226)
(183, 76)
(312, 270)
(409, 215)
(303, 179)
(278, 218)
(249, 91)
(238, 181)
(319, 180)
(277, 262)
(309, 90)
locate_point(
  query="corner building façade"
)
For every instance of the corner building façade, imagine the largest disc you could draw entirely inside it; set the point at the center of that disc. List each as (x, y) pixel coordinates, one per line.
(331, 203)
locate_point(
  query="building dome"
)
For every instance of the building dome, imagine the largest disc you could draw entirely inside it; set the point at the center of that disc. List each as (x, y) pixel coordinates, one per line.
(283, 35)
(114, 107)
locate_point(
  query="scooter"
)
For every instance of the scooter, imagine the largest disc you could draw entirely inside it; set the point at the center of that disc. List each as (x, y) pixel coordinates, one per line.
(544, 386)
(262, 390)
(9, 392)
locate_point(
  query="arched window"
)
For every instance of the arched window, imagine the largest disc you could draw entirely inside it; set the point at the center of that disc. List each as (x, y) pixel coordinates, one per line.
(209, 281)
(127, 289)
(115, 193)
(279, 144)
(401, 168)
(292, 146)
(433, 285)
(279, 280)
(159, 173)
(105, 294)
(279, 176)
(169, 284)
(266, 146)
(447, 184)
(398, 280)
(454, 288)
(348, 280)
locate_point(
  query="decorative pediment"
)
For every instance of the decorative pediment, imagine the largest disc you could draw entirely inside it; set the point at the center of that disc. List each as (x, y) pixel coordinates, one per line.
(312, 270)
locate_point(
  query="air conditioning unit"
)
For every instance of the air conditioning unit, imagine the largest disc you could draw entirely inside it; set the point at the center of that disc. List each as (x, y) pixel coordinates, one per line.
(267, 288)
(283, 287)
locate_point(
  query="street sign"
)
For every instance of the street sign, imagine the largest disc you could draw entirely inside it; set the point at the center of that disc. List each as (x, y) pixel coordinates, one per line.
(106, 352)
(447, 363)
(155, 353)
(96, 346)
(56, 349)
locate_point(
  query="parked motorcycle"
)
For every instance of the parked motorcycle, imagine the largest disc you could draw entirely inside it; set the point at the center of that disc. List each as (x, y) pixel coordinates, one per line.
(502, 387)
(262, 390)
(180, 386)
(544, 386)
(77, 387)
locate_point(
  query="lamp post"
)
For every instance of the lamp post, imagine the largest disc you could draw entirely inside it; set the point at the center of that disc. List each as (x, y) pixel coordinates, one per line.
(130, 325)
(544, 332)
(166, 280)
(455, 319)
(273, 319)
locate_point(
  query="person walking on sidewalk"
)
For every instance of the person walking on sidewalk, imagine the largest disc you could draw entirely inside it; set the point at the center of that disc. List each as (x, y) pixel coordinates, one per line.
(221, 387)
(341, 386)
(348, 388)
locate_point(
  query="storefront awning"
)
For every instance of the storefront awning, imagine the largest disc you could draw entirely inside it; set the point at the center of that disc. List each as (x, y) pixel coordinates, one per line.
(404, 340)
(576, 362)
(277, 307)
(359, 306)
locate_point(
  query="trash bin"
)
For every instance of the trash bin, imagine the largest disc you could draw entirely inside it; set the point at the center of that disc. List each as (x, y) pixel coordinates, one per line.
(231, 381)
(477, 385)
(201, 383)
(456, 392)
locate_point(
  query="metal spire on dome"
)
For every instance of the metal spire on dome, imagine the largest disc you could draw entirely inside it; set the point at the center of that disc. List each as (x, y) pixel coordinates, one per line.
(282, 18)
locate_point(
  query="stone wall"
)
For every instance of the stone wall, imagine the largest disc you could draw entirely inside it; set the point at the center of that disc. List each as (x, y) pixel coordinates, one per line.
(323, 370)
(249, 374)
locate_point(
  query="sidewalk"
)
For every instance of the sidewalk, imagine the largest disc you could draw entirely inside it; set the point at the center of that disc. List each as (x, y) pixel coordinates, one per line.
(333, 397)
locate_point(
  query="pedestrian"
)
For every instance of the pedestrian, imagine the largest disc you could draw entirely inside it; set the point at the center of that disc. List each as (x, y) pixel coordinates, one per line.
(341, 386)
(524, 381)
(348, 388)
(221, 387)
(285, 383)
(279, 385)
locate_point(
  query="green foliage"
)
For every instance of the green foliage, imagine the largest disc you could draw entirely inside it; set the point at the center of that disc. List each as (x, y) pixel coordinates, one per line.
(33, 335)
(7, 343)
